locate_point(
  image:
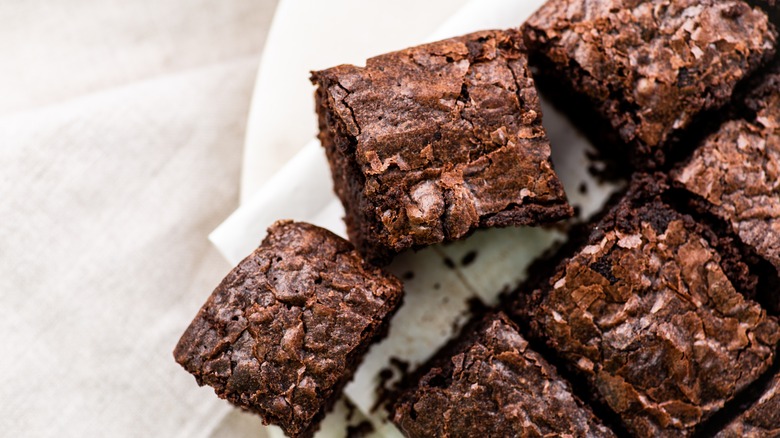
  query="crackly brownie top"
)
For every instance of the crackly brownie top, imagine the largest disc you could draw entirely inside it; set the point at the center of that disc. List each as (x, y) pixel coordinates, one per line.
(760, 420)
(276, 335)
(445, 134)
(646, 312)
(495, 386)
(652, 65)
(737, 170)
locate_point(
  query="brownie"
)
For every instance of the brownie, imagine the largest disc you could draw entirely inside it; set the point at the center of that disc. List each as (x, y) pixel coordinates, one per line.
(762, 420)
(285, 330)
(429, 143)
(646, 314)
(493, 384)
(649, 68)
(736, 170)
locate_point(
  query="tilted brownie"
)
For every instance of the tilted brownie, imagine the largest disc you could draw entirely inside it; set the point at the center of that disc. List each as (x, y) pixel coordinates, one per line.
(429, 143)
(285, 330)
(492, 384)
(762, 420)
(649, 67)
(737, 171)
(646, 314)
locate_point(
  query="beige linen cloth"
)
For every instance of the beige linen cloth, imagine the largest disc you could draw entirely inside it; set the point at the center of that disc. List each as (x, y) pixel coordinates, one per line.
(121, 133)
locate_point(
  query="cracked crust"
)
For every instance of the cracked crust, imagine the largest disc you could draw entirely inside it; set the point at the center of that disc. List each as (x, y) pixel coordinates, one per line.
(650, 67)
(429, 143)
(494, 385)
(737, 171)
(762, 420)
(647, 315)
(285, 330)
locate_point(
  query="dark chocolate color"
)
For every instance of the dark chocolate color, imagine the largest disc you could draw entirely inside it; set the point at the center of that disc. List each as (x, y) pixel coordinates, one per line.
(285, 330)
(762, 420)
(650, 67)
(737, 171)
(429, 143)
(646, 314)
(491, 384)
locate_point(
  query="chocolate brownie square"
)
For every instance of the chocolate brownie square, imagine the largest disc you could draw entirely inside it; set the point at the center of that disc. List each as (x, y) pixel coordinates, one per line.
(646, 313)
(429, 143)
(285, 330)
(649, 67)
(736, 170)
(490, 383)
(762, 420)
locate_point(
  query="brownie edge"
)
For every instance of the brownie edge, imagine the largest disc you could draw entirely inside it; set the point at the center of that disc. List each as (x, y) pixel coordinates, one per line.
(646, 313)
(284, 331)
(736, 170)
(430, 143)
(761, 420)
(490, 383)
(650, 68)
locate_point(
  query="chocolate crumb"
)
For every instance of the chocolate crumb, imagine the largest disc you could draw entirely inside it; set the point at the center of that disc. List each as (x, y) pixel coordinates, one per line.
(408, 275)
(389, 381)
(468, 258)
(448, 261)
(350, 409)
(399, 364)
(583, 188)
(360, 430)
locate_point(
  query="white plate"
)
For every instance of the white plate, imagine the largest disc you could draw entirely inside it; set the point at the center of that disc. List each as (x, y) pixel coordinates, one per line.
(286, 176)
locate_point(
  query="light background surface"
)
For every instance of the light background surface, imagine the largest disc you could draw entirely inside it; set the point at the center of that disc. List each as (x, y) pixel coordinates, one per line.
(122, 126)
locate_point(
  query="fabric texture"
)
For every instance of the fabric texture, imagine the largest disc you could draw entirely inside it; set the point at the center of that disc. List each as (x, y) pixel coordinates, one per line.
(122, 127)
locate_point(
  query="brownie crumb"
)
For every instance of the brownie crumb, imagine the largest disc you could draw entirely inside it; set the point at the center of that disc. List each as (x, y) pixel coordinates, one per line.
(408, 275)
(360, 430)
(583, 188)
(389, 382)
(350, 408)
(400, 365)
(448, 261)
(468, 258)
